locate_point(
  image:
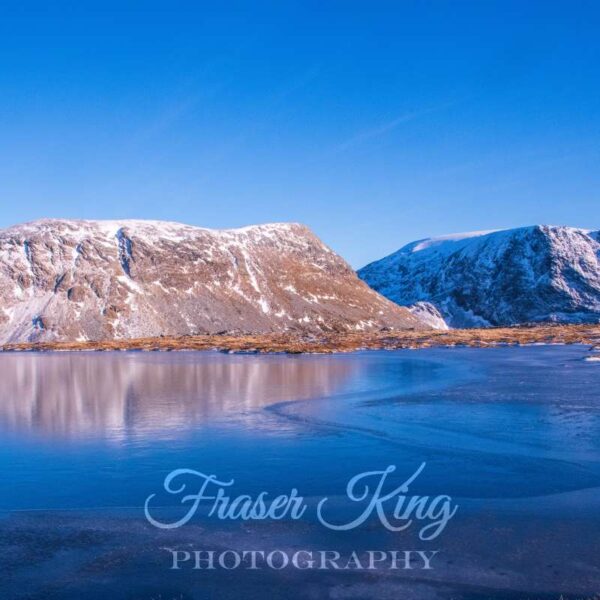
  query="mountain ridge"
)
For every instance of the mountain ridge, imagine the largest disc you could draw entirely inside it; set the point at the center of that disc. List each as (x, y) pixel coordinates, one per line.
(503, 277)
(64, 279)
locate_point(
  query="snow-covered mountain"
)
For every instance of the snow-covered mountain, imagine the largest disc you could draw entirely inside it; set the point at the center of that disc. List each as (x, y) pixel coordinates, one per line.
(79, 280)
(530, 274)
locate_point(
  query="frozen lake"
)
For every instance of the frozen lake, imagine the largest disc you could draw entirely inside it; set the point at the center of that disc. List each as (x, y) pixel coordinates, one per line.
(511, 434)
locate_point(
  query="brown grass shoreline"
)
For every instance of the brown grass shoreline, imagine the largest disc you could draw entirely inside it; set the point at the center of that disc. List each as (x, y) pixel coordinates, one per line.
(297, 343)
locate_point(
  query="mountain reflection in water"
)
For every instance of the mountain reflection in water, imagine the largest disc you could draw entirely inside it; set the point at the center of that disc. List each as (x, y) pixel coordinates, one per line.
(112, 394)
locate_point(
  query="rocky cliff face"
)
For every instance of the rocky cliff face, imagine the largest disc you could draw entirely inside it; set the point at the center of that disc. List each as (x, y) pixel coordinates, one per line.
(531, 274)
(80, 280)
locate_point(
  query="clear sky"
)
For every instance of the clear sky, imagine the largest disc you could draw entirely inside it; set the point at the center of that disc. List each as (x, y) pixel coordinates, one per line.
(375, 123)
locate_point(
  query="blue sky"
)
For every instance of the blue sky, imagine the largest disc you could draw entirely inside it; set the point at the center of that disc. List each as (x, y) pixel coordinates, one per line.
(375, 123)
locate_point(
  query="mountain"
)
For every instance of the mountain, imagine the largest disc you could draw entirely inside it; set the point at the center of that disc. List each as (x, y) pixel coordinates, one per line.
(91, 280)
(487, 278)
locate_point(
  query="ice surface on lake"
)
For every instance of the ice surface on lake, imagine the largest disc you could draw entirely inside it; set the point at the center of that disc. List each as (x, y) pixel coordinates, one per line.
(512, 434)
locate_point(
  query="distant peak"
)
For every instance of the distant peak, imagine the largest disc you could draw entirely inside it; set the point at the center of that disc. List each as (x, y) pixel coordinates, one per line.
(455, 240)
(505, 277)
(425, 243)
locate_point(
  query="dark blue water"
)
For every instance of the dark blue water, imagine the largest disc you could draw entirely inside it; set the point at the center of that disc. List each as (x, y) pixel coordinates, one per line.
(512, 434)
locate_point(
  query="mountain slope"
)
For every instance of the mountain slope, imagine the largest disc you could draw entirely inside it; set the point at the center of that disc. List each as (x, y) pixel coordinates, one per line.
(78, 280)
(530, 274)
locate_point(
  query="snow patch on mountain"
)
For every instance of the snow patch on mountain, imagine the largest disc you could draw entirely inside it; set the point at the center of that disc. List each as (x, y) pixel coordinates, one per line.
(429, 314)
